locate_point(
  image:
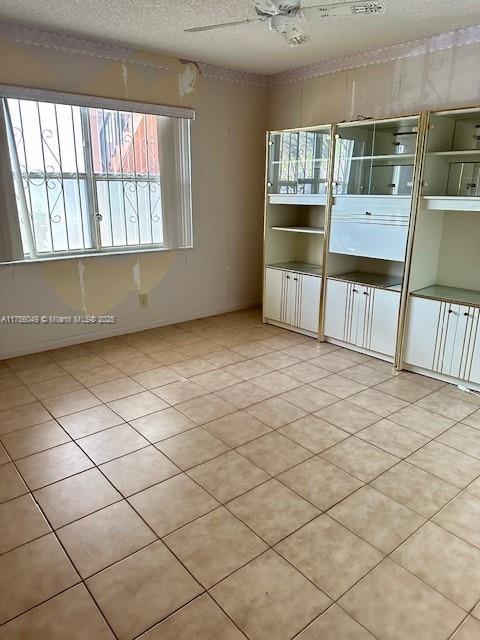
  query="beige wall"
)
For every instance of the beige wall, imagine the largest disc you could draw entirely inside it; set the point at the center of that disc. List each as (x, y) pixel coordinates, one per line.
(221, 273)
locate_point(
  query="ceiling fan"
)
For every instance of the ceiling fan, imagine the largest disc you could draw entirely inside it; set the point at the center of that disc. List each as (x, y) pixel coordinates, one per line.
(286, 16)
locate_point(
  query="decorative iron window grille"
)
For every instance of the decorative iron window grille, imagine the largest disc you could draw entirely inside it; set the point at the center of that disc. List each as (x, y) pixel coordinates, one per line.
(90, 179)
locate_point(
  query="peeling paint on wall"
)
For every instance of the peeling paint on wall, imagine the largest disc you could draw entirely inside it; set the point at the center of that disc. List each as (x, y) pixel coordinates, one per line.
(125, 78)
(187, 79)
(137, 275)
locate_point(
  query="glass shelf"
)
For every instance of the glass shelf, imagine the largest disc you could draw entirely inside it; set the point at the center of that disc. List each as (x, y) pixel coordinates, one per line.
(297, 229)
(370, 279)
(454, 295)
(298, 267)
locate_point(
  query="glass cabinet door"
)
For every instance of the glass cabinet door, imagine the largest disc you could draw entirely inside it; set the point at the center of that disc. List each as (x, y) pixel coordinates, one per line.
(298, 162)
(375, 158)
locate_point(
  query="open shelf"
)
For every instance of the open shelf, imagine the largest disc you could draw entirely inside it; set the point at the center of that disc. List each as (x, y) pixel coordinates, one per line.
(294, 229)
(456, 153)
(298, 267)
(381, 281)
(454, 295)
(451, 203)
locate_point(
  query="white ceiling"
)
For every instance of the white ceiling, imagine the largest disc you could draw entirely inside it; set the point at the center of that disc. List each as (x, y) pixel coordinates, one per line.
(158, 25)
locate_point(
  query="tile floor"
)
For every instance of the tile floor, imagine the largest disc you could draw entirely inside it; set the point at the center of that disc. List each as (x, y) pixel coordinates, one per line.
(223, 479)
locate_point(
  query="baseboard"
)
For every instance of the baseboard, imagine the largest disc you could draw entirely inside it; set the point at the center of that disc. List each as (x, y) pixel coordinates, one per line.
(110, 331)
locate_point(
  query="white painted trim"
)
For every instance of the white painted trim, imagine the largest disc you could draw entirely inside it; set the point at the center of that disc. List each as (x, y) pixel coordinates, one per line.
(73, 44)
(44, 95)
(121, 331)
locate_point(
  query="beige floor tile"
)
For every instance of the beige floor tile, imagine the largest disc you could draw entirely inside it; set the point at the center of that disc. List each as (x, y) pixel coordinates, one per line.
(120, 353)
(314, 433)
(309, 350)
(141, 590)
(98, 375)
(76, 497)
(228, 475)
(72, 614)
(470, 630)
(473, 420)
(70, 403)
(333, 362)
(376, 518)
(335, 624)
(463, 438)
(252, 349)
(156, 377)
(446, 405)
(115, 389)
(274, 453)
(172, 504)
(329, 555)
(162, 424)
(52, 465)
(55, 387)
(39, 373)
(306, 372)
(244, 394)
(112, 443)
(89, 421)
(270, 599)
(348, 416)
(20, 521)
(309, 398)
(237, 428)
(214, 546)
(216, 379)
(192, 447)
(455, 392)
(39, 570)
(462, 517)
(405, 388)
(28, 361)
(34, 439)
(415, 488)
(395, 605)
(192, 367)
(359, 458)
(138, 405)
(201, 619)
(367, 374)
(320, 482)
(11, 483)
(339, 386)
(380, 403)
(104, 537)
(223, 358)
(133, 366)
(206, 408)
(277, 360)
(449, 464)
(82, 363)
(138, 470)
(276, 382)
(8, 380)
(4, 457)
(272, 511)
(181, 391)
(422, 421)
(445, 562)
(393, 438)
(276, 412)
(24, 416)
(16, 397)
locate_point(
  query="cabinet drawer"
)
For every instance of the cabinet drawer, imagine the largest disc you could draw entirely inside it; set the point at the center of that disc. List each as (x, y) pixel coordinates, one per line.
(383, 241)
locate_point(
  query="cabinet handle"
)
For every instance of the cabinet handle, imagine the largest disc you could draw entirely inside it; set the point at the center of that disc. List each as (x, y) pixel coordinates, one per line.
(368, 213)
(365, 293)
(288, 277)
(296, 279)
(451, 311)
(466, 314)
(355, 290)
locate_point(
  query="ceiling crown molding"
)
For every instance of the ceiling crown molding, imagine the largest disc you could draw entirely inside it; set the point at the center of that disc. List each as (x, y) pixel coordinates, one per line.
(448, 40)
(73, 44)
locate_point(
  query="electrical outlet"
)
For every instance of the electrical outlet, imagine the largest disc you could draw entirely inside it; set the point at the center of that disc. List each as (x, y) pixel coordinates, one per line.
(143, 299)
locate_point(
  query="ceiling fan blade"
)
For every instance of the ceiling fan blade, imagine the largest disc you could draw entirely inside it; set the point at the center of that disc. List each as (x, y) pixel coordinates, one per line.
(344, 9)
(222, 25)
(276, 7)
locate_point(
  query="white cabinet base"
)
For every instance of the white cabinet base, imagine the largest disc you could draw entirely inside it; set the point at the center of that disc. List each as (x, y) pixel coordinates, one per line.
(282, 325)
(442, 377)
(353, 347)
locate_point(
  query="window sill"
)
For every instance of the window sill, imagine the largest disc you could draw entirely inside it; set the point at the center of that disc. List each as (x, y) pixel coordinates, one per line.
(94, 254)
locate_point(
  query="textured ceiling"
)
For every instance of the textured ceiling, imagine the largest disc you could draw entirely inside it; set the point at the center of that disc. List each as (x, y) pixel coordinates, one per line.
(157, 25)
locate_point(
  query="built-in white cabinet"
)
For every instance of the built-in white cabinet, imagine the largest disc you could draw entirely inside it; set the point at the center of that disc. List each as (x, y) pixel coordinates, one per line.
(292, 299)
(361, 315)
(370, 227)
(444, 337)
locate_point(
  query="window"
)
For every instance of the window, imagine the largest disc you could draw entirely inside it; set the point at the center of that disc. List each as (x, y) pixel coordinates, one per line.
(92, 179)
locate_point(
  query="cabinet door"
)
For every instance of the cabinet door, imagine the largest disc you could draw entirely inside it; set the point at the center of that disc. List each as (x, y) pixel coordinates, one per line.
(291, 305)
(473, 367)
(336, 301)
(359, 320)
(455, 351)
(274, 284)
(382, 314)
(422, 331)
(309, 302)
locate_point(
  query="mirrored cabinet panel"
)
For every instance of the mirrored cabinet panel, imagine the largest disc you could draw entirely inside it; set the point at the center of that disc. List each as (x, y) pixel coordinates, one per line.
(298, 161)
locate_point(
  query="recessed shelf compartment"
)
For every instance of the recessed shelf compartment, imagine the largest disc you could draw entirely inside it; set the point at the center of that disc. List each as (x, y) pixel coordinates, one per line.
(295, 229)
(453, 295)
(451, 203)
(377, 280)
(298, 267)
